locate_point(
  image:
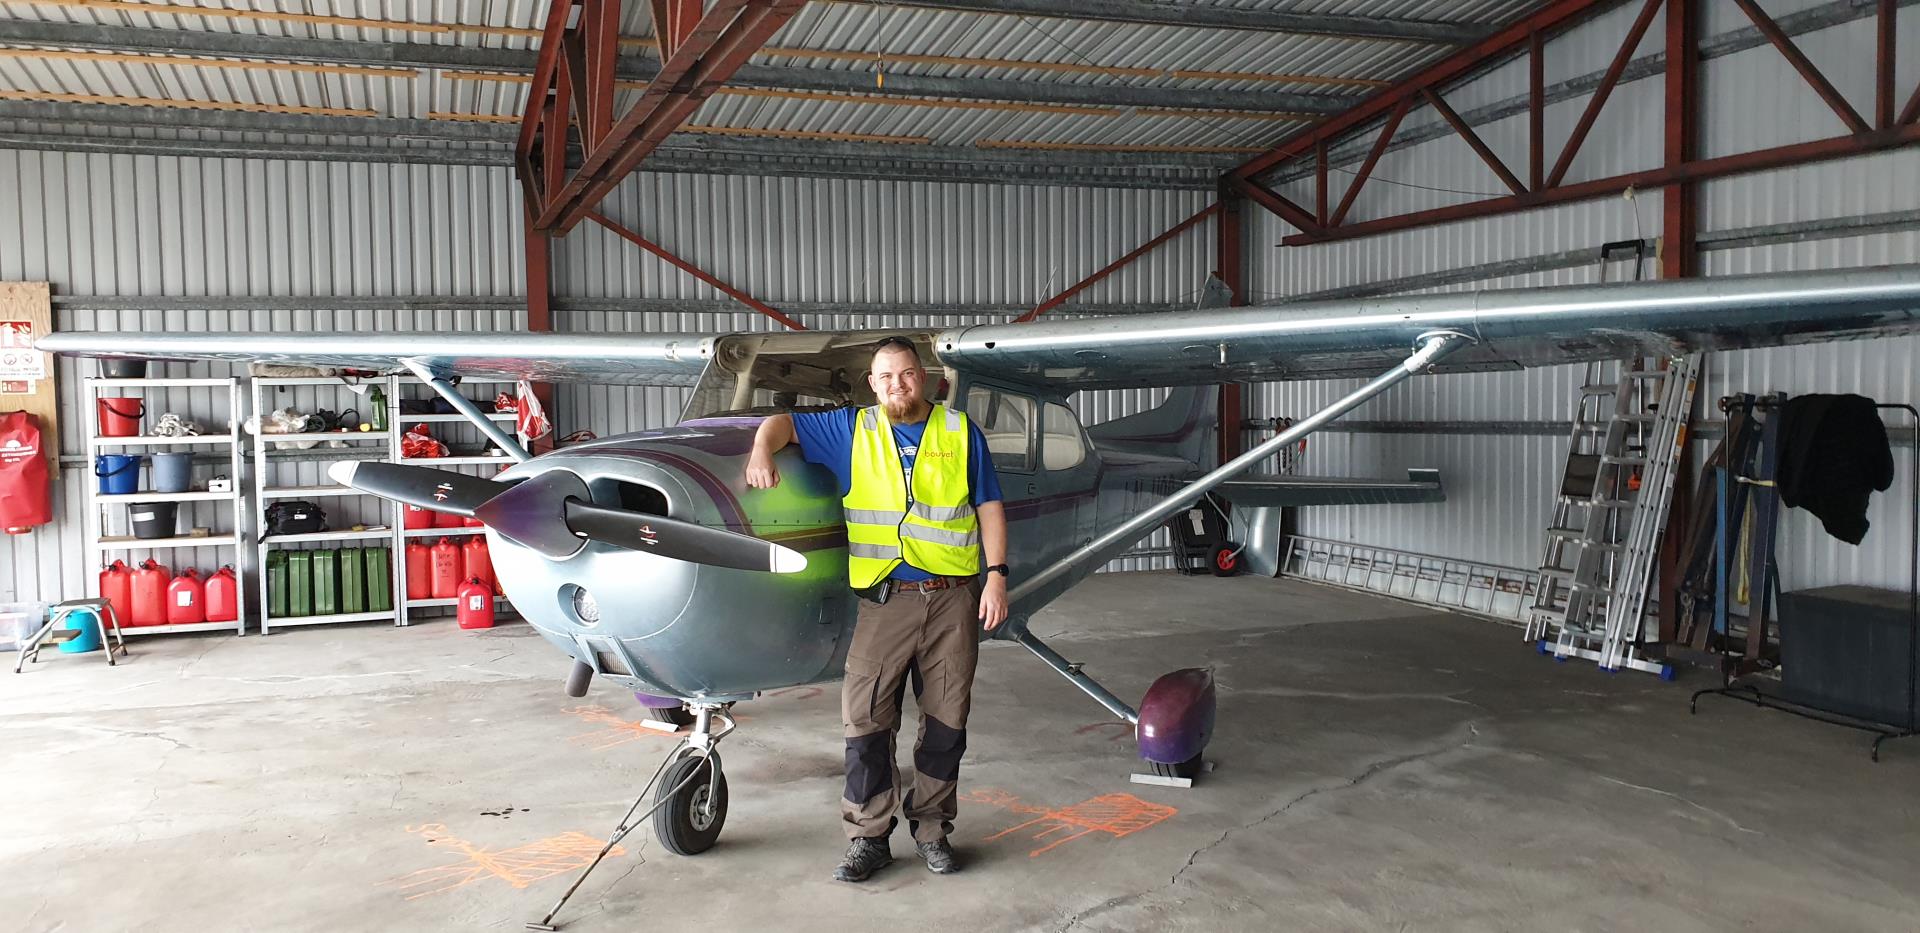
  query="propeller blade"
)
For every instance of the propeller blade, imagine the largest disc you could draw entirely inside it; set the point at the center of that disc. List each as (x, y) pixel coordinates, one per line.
(682, 540)
(440, 490)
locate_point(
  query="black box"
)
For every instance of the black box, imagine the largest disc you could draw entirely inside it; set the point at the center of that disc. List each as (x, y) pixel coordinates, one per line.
(1848, 649)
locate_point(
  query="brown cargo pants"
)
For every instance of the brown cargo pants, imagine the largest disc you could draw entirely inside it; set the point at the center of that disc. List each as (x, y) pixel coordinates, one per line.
(934, 639)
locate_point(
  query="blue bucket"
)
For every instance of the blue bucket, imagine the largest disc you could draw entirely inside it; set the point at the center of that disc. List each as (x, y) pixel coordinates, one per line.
(171, 472)
(119, 474)
(88, 623)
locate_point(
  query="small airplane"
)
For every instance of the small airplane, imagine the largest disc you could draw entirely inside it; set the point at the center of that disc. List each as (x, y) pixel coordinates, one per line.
(647, 559)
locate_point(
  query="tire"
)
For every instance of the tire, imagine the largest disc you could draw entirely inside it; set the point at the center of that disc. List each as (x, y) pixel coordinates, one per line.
(1188, 769)
(676, 823)
(676, 715)
(1225, 560)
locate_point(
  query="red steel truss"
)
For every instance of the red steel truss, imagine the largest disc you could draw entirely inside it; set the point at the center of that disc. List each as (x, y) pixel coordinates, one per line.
(1680, 170)
(570, 105)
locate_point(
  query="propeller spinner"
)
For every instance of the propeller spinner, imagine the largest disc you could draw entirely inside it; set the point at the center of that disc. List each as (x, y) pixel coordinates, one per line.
(551, 513)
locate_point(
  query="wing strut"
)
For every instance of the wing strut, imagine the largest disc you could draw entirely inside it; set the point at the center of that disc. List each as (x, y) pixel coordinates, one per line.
(1071, 671)
(1429, 349)
(465, 406)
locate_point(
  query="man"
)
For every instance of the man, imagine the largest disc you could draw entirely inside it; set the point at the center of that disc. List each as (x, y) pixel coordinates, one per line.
(922, 503)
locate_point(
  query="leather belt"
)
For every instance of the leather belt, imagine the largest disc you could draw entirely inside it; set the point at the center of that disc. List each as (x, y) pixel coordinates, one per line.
(928, 586)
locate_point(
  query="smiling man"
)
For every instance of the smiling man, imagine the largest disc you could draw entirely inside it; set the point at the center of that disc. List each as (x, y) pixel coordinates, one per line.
(922, 509)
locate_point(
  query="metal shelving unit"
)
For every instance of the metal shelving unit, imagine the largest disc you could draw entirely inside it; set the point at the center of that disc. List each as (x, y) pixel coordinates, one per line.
(409, 535)
(100, 542)
(376, 445)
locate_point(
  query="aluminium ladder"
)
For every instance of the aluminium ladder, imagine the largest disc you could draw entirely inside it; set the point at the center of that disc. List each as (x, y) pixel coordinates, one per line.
(1610, 512)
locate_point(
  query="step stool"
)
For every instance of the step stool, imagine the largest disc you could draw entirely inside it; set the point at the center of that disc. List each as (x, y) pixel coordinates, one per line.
(53, 633)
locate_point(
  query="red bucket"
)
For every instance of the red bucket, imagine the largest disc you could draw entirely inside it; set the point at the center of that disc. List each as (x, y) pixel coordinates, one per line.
(120, 417)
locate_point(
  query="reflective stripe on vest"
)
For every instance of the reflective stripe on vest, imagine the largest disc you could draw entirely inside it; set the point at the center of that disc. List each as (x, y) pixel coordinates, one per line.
(939, 532)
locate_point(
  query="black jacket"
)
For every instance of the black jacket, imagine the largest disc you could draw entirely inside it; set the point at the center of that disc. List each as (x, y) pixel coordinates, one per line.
(1833, 456)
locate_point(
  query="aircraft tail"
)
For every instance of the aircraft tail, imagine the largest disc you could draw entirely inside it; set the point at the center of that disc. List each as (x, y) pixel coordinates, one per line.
(1183, 426)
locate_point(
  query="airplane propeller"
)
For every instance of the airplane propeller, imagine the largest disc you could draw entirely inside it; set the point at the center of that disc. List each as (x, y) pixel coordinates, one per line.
(551, 513)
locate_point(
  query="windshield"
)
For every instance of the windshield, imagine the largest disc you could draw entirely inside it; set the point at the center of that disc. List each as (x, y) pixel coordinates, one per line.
(765, 374)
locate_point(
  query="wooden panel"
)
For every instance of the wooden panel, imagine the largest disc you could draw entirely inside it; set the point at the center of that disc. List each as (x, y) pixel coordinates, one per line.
(29, 302)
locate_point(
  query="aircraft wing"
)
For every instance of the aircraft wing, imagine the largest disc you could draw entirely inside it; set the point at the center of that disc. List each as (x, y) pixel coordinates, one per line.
(630, 359)
(1295, 491)
(1511, 329)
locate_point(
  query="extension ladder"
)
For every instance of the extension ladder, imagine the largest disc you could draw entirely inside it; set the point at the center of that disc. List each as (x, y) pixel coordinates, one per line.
(1610, 512)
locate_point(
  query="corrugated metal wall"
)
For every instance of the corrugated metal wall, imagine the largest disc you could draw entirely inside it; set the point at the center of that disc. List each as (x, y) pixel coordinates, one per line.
(168, 228)
(1500, 487)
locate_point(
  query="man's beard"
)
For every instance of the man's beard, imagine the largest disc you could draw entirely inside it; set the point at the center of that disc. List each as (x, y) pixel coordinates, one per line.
(901, 406)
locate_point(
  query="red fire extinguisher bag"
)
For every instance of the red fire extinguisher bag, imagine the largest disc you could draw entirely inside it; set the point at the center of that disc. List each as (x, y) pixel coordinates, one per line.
(223, 596)
(186, 599)
(150, 593)
(26, 496)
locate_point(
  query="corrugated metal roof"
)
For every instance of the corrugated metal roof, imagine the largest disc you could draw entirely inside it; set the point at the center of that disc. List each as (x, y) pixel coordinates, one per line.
(840, 27)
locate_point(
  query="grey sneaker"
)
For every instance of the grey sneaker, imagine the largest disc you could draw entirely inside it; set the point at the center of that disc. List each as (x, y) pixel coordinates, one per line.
(939, 856)
(863, 858)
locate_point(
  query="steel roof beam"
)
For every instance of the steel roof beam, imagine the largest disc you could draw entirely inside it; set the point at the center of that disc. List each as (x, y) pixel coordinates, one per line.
(1164, 13)
(639, 68)
(681, 154)
(1812, 19)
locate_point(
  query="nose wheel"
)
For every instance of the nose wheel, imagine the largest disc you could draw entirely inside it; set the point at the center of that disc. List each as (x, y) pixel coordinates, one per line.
(690, 803)
(691, 806)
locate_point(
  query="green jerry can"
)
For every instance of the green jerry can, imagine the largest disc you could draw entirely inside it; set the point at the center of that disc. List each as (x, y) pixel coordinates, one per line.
(277, 584)
(326, 582)
(299, 583)
(379, 579)
(353, 589)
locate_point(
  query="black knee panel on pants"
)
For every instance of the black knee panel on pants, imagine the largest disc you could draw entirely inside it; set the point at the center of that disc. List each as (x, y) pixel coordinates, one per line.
(940, 750)
(869, 766)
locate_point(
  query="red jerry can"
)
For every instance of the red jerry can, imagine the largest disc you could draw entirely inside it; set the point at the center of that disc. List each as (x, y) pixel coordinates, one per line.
(150, 593)
(186, 599)
(446, 569)
(447, 520)
(419, 571)
(413, 516)
(116, 587)
(477, 564)
(223, 596)
(475, 606)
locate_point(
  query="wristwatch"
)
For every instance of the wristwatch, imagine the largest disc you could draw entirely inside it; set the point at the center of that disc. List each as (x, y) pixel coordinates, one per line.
(1000, 569)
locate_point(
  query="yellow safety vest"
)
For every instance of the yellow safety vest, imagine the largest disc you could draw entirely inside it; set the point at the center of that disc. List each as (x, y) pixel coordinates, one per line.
(938, 533)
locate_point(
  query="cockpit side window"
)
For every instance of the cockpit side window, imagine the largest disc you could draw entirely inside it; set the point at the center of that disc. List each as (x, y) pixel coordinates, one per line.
(1063, 443)
(1009, 423)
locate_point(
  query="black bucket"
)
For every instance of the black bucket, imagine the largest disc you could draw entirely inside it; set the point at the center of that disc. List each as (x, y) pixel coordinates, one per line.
(123, 369)
(154, 519)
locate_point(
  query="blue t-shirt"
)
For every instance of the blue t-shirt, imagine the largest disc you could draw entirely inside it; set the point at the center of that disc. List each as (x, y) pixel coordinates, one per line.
(826, 438)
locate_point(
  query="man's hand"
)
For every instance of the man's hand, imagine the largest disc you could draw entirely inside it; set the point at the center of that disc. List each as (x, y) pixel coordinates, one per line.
(761, 473)
(993, 601)
(774, 433)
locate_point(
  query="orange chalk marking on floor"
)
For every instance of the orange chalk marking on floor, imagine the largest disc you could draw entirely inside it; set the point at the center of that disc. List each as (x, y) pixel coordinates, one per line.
(1117, 815)
(520, 866)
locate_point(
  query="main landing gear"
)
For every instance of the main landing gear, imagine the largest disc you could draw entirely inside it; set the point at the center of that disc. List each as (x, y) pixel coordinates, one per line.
(690, 806)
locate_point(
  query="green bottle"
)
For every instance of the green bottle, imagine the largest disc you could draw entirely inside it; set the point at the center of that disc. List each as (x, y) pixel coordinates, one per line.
(377, 400)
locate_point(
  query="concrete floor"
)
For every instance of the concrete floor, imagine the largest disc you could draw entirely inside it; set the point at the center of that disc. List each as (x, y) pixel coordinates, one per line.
(1379, 767)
